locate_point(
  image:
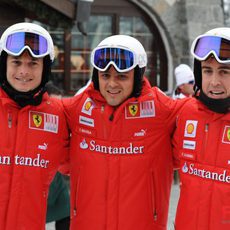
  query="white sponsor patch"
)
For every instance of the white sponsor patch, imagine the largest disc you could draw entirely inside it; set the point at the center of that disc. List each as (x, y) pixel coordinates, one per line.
(88, 106)
(189, 144)
(140, 110)
(86, 121)
(43, 121)
(147, 109)
(190, 128)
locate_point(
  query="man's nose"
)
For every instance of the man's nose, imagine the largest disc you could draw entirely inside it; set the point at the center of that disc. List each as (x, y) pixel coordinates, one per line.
(215, 79)
(24, 69)
(112, 81)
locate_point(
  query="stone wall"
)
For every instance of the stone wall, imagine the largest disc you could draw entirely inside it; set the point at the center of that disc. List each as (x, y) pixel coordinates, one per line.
(183, 20)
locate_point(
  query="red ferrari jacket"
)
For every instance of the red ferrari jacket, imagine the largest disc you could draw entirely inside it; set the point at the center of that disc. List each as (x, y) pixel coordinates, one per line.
(33, 142)
(121, 160)
(202, 148)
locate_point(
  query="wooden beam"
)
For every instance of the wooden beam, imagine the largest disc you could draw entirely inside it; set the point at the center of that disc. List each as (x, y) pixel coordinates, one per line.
(65, 7)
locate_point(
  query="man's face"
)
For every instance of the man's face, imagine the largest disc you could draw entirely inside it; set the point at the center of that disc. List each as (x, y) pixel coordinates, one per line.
(24, 73)
(115, 87)
(187, 89)
(215, 79)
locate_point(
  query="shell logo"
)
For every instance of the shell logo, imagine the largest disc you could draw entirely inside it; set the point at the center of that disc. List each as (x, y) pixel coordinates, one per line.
(190, 128)
(88, 105)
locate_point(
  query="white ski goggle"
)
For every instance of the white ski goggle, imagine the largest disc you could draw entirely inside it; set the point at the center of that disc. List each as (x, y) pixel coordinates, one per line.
(16, 43)
(206, 45)
(122, 59)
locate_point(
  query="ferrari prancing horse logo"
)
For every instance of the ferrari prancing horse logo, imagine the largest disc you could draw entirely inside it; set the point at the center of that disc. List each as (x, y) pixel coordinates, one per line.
(226, 135)
(133, 109)
(43, 121)
(37, 120)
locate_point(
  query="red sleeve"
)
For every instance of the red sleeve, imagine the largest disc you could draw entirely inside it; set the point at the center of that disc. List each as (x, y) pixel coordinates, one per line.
(169, 109)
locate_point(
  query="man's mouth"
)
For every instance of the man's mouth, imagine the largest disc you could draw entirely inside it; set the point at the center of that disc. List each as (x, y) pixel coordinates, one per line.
(216, 93)
(23, 79)
(113, 92)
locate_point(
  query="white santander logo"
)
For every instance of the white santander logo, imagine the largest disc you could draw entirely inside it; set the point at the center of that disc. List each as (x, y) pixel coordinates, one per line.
(84, 144)
(185, 168)
(206, 174)
(130, 148)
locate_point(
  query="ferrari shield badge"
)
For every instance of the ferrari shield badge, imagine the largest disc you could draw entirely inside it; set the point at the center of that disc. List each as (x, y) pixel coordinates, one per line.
(37, 119)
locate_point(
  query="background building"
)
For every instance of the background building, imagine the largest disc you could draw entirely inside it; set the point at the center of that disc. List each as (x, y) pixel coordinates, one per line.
(166, 28)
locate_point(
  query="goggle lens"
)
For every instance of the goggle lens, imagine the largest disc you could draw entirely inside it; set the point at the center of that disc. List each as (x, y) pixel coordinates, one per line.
(123, 59)
(16, 42)
(211, 44)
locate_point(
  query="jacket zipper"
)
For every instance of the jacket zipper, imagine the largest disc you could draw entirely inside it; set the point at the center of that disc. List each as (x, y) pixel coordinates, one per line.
(111, 117)
(206, 128)
(76, 196)
(153, 194)
(10, 119)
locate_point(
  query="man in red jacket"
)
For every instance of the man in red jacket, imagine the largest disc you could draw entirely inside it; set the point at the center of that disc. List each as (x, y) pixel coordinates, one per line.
(202, 138)
(121, 159)
(33, 131)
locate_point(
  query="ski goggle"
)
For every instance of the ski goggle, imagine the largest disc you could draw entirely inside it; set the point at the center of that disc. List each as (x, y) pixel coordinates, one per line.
(122, 59)
(205, 45)
(17, 42)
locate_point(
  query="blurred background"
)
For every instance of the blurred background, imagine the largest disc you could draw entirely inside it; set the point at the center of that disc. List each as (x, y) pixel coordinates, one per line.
(166, 29)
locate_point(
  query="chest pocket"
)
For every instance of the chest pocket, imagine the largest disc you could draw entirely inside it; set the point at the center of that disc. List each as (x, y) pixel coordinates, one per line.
(223, 147)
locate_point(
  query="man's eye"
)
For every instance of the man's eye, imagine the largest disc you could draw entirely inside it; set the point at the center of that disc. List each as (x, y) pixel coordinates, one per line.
(105, 75)
(207, 71)
(122, 77)
(16, 62)
(224, 72)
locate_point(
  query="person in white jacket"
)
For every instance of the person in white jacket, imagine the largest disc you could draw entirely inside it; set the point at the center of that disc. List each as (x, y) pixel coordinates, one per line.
(184, 81)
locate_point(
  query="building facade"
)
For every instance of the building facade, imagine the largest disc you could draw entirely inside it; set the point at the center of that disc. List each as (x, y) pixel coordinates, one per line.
(166, 28)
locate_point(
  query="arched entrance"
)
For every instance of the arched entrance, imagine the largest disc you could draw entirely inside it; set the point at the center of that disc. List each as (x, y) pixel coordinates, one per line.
(108, 18)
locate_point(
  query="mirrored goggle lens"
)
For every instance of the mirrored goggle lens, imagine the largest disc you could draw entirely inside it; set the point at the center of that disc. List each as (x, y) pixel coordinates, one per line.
(17, 41)
(206, 45)
(123, 59)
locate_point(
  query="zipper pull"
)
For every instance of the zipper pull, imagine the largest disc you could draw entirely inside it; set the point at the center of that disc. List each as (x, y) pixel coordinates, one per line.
(111, 117)
(112, 114)
(206, 128)
(102, 109)
(74, 212)
(155, 215)
(10, 120)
